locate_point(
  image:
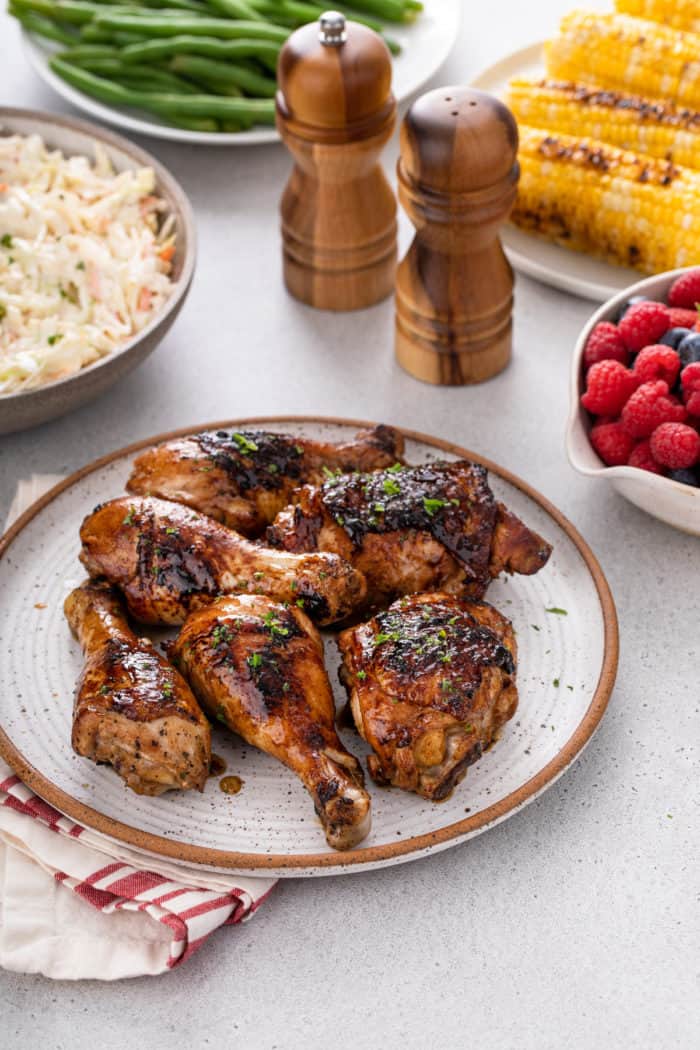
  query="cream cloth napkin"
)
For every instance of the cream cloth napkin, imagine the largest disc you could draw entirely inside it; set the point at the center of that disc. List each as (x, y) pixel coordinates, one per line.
(75, 904)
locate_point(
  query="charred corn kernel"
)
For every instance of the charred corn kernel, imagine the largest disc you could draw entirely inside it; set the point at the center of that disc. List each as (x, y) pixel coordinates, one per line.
(624, 207)
(627, 54)
(679, 14)
(626, 121)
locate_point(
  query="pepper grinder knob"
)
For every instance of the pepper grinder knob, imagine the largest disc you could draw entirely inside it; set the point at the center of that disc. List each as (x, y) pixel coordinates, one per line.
(335, 111)
(458, 175)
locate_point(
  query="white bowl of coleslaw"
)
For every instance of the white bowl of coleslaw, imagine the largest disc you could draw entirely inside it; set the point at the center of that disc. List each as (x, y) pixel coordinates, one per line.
(97, 254)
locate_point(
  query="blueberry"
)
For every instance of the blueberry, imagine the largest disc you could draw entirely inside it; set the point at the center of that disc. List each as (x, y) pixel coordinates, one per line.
(686, 477)
(689, 349)
(674, 337)
(622, 310)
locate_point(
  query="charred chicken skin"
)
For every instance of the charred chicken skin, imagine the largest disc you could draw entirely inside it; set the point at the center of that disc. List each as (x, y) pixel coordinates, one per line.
(258, 667)
(243, 478)
(168, 560)
(132, 709)
(413, 529)
(430, 682)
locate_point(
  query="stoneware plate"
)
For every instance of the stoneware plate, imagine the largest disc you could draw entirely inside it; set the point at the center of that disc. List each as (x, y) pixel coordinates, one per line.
(566, 673)
(571, 271)
(669, 501)
(425, 45)
(22, 410)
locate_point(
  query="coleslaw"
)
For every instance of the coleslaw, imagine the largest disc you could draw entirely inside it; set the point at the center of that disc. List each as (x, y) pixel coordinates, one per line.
(85, 260)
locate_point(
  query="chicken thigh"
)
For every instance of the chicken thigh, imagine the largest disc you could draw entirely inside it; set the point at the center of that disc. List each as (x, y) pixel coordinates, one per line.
(412, 529)
(258, 667)
(430, 681)
(168, 560)
(132, 709)
(244, 477)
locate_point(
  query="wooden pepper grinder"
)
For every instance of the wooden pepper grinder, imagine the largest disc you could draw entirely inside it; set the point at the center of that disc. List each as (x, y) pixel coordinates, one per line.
(458, 176)
(335, 111)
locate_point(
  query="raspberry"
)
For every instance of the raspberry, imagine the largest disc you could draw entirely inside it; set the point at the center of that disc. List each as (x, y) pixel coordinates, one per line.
(641, 457)
(644, 324)
(690, 385)
(650, 406)
(604, 344)
(609, 384)
(657, 362)
(611, 443)
(685, 290)
(675, 445)
(680, 318)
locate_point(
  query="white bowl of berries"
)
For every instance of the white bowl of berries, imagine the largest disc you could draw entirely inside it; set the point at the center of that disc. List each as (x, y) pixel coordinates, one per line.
(635, 397)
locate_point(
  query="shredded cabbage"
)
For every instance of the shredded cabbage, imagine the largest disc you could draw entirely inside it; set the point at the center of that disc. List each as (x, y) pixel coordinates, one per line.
(85, 258)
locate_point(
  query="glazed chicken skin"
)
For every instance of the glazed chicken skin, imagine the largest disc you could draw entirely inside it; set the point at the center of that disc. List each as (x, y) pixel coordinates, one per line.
(132, 709)
(258, 667)
(430, 682)
(413, 529)
(168, 560)
(243, 478)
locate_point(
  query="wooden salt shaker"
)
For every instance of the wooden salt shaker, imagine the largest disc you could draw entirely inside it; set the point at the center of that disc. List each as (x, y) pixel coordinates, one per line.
(335, 111)
(458, 176)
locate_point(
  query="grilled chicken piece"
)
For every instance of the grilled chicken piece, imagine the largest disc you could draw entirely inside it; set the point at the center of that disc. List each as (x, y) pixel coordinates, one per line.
(245, 477)
(132, 709)
(413, 529)
(168, 560)
(258, 667)
(430, 681)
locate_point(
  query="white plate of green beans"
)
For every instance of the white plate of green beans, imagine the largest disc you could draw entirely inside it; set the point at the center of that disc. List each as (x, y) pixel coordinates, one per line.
(204, 70)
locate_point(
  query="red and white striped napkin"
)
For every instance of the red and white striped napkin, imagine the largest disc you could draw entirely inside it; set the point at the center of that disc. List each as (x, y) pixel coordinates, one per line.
(75, 904)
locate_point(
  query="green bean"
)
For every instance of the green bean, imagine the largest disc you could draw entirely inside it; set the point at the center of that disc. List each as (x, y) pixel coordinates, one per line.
(82, 52)
(260, 111)
(299, 12)
(218, 87)
(95, 33)
(76, 12)
(194, 123)
(391, 10)
(233, 8)
(224, 72)
(230, 125)
(111, 66)
(154, 26)
(163, 47)
(42, 26)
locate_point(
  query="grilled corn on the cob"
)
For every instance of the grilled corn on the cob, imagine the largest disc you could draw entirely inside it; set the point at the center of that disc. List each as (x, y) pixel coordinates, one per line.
(625, 207)
(626, 121)
(627, 54)
(680, 14)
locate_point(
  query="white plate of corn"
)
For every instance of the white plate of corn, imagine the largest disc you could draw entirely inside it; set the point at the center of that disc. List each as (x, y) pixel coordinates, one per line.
(609, 119)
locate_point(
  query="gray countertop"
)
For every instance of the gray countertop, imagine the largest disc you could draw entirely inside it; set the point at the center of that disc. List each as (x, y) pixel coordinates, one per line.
(574, 924)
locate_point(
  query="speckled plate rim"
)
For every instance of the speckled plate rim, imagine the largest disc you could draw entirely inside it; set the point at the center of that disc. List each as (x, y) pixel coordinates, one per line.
(451, 834)
(166, 181)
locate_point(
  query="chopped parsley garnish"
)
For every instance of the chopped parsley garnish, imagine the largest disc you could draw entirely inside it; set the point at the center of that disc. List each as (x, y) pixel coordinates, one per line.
(167, 690)
(80, 265)
(104, 689)
(221, 635)
(391, 487)
(170, 531)
(395, 469)
(6, 240)
(445, 684)
(258, 575)
(272, 468)
(221, 713)
(244, 443)
(129, 519)
(299, 450)
(255, 660)
(3, 310)
(361, 675)
(300, 603)
(286, 687)
(559, 612)
(274, 626)
(55, 338)
(381, 637)
(534, 627)
(432, 506)
(555, 683)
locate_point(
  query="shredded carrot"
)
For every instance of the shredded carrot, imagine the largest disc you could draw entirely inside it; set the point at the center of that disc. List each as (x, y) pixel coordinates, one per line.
(144, 299)
(167, 253)
(4, 187)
